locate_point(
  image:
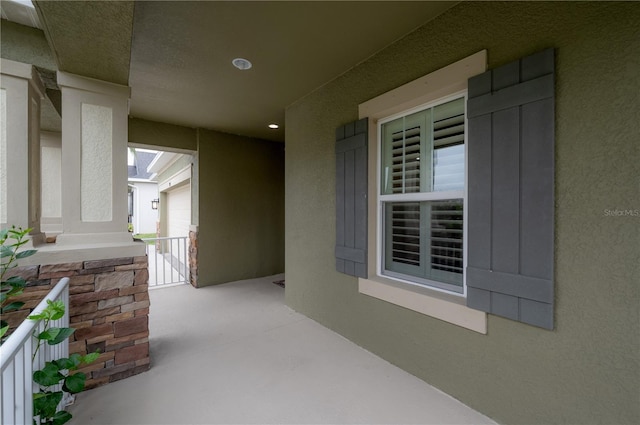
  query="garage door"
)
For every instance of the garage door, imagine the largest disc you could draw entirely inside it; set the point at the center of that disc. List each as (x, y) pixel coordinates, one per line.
(179, 211)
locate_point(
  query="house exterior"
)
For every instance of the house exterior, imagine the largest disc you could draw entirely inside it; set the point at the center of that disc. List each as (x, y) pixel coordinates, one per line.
(585, 370)
(584, 365)
(142, 191)
(173, 171)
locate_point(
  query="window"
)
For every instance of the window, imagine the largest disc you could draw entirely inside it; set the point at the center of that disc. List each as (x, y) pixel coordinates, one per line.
(422, 181)
(429, 226)
(424, 203)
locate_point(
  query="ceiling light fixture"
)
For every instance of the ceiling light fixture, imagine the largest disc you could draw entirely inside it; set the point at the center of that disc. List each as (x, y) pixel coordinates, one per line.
(273, 126)
(241, 64)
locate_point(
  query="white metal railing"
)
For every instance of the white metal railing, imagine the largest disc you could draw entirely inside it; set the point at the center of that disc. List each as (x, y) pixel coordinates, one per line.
(16, 360)
(168, 261)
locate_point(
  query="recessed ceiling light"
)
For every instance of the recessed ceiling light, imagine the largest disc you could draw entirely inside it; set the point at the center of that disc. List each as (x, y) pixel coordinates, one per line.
(273, 126)
(241, 64)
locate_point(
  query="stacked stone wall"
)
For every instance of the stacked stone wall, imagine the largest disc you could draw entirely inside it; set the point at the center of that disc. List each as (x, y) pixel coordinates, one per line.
(193, 258)
(109, 308)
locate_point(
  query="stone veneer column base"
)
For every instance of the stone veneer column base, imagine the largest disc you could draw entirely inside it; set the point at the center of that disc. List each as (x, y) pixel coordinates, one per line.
(109, 308)
(193, 258)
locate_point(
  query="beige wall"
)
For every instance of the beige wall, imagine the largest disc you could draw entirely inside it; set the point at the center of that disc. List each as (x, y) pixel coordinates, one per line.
(241, 226)
(587, 369)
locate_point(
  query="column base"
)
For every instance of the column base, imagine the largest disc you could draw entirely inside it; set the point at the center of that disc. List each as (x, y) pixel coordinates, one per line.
(68, 239)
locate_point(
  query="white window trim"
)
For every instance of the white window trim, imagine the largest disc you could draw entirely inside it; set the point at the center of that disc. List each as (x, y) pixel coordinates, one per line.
(443, 83)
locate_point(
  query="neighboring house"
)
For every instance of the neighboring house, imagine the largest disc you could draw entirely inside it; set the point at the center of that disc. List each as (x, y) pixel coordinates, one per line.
(173, 172)
(563, 257)
(143, 190)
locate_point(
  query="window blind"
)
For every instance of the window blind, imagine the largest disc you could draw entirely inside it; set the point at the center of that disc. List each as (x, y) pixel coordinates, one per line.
(446, 236)
(405, 154)
(405, 233)
(425, 153)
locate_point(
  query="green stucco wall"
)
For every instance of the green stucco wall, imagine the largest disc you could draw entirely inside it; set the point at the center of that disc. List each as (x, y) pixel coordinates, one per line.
(25, 44)
(162, 135)
(241, 228)
(239, 188)
(587, 369)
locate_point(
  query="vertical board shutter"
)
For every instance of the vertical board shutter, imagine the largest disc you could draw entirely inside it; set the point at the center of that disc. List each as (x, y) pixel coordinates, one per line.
(511, 190)
(351, 198)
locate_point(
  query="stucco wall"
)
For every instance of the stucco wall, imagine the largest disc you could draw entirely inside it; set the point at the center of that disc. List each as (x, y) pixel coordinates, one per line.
(239, 208)
(25, 44)
(241, 227)
(161, 135)
(587, 369)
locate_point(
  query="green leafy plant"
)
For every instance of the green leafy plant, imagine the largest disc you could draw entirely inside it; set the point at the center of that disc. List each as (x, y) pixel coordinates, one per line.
(56, 372)
(11, 240)
(55, 378)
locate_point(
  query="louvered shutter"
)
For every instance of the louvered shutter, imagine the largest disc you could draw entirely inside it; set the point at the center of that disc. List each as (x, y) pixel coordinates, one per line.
(351, 198)
(511, 190)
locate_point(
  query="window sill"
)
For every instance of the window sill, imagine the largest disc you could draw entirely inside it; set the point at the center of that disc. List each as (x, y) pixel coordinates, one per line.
(445, 307)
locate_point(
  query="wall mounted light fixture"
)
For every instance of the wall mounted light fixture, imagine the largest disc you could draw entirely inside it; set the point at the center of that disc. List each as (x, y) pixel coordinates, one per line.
(154, 204)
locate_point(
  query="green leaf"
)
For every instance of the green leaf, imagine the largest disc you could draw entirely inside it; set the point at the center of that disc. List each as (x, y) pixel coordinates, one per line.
(91, 357)
(11, 307)
(76, 359)
(26, 253)
(46, 404)
(16, 281)
(64, 363)
(48, 334)
(74, 383)
(63, 333)
(18, 233)
(39, 316)
(49, 375)
(53, 311)
(3, 234)
(55, 308)
(61, 418)
(14, 291)
(3, 330)
(10, 291)
(5, 251)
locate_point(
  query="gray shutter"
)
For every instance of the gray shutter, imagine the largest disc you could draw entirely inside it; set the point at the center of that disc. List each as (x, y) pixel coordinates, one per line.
(351, 198)
(511, 190)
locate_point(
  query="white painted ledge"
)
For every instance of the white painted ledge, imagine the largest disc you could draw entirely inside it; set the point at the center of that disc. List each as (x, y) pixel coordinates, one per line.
(86, 247)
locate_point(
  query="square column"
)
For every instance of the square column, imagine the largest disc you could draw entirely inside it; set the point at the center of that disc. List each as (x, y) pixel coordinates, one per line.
(51, 186)
(94, 158)
(21, 91)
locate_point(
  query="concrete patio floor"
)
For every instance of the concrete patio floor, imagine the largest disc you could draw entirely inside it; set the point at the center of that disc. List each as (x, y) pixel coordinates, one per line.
(235, 353)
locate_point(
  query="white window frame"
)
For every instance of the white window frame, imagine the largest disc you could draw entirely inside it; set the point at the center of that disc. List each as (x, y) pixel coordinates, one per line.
(446, 83)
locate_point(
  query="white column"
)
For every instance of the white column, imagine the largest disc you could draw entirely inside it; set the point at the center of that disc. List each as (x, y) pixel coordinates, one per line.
(94, 160)
(20, 93)
(51, 186)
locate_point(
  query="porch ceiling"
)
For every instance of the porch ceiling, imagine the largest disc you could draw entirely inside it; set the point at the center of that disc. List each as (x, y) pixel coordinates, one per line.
(176, 55)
